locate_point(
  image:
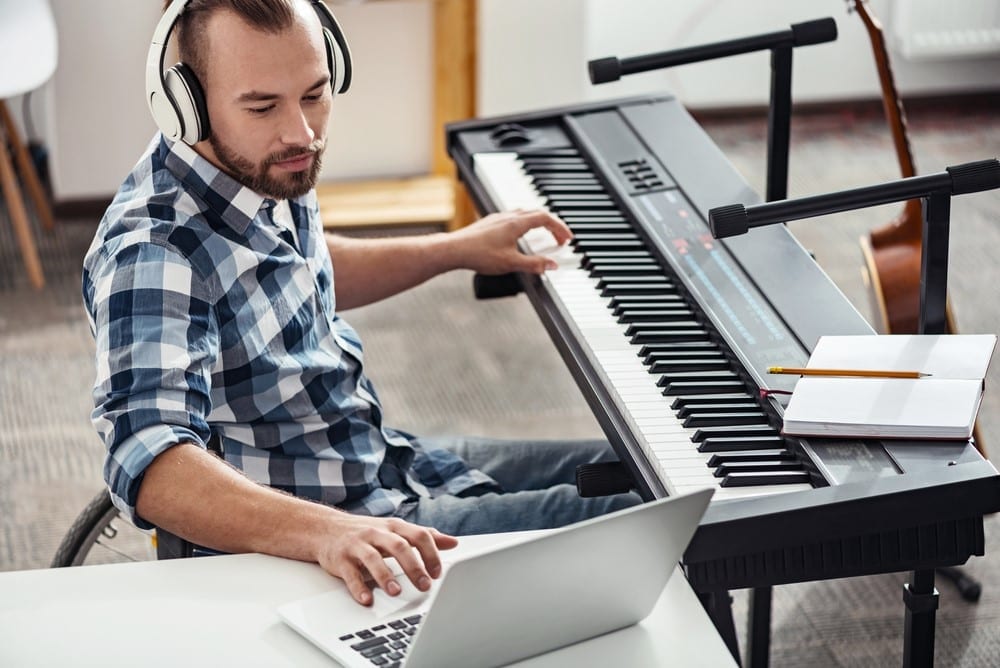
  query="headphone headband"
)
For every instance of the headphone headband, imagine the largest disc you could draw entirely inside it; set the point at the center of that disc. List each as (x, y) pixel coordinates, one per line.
(175, 97)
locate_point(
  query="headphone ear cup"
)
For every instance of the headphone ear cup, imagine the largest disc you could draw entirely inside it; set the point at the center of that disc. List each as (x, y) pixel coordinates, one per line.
(331, 58)
(338, 52)
(188, 99)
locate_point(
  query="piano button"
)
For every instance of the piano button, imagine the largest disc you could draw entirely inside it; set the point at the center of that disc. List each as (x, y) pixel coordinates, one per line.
(686, 411)
(765, 429)
(749, 456)
(768, 478)
(734, 444)
(757, 467)
(676, 377)
(724, 419)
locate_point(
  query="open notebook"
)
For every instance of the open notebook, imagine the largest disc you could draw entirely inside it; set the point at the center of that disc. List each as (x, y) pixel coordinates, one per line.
(940, 405)
(515, 601)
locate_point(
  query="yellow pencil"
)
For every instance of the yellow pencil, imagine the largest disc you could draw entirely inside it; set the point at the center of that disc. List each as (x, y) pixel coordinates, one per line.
(866, 373)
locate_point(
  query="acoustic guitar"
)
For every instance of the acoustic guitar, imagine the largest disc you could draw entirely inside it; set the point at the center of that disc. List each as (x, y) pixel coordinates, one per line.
(892, 252)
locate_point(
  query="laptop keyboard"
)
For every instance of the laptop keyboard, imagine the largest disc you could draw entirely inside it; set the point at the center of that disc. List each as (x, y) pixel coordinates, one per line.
(385, 644)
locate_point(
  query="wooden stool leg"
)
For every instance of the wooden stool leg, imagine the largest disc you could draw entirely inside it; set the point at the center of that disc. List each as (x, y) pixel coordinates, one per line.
(27, 168)
(19, 218)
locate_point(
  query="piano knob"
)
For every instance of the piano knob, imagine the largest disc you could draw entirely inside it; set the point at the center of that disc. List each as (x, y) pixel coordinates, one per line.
(510, 134)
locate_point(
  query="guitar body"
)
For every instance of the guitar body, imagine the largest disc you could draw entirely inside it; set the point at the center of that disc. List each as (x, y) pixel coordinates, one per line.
(892, 272)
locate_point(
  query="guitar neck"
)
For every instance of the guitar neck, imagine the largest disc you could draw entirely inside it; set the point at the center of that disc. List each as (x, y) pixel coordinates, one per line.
(890, 97)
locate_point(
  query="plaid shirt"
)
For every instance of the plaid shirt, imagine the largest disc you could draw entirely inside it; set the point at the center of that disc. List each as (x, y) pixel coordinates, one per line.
(209, 321)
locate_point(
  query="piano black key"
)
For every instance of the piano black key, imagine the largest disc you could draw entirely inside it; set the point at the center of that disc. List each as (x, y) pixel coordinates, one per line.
(724, 419)
(602, 214)
(772, 478)
(691, 400)
(589, 247)
(595, 262)
(659, 326)
(740, 443)
(598, 226)
(621, 303)
(736, 430)
(695, 377)
(607, 238)
(682, 356)
(649, 281)
(722, 407)
(630, 253)
(749, 456)
(757, 467)
(564, 199)
(669, 336)
(635, 269)
(561, 168)
(663, 315)
(650, 289)
(702, 387)
(581, 205)
(658, 365)
(653, 347)
(570, 188)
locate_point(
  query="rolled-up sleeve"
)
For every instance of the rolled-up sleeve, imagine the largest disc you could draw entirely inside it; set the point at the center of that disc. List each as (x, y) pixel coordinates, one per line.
(157, 340)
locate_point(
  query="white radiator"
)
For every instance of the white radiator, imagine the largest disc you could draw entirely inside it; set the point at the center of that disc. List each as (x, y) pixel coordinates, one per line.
(943, 29)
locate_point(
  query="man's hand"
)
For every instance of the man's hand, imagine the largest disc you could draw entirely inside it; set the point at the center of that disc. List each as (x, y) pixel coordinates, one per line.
(489, 246)
(358, 546)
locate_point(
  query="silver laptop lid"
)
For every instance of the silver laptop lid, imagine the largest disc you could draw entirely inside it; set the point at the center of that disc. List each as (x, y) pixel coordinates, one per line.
(557, 589)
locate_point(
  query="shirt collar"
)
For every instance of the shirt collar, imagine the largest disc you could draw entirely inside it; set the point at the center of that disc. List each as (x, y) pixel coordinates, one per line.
(234, 203)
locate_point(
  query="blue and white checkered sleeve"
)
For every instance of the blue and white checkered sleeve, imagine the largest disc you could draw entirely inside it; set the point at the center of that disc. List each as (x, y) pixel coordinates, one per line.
(156, 341)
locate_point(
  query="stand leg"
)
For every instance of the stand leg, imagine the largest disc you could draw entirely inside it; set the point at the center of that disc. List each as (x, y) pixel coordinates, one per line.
(934, 265)
(719, 607)
(921, 599)
(759, 628)
(779, 120)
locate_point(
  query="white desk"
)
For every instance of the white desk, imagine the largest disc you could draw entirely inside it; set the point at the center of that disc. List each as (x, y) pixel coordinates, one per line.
(220, 611)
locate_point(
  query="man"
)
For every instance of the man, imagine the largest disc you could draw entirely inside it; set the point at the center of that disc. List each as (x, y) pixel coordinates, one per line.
(212, 297)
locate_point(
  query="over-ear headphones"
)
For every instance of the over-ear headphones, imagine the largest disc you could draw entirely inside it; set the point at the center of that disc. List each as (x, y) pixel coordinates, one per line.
(177, 100)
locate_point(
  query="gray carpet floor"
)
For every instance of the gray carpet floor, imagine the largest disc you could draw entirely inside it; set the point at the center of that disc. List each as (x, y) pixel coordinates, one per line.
(445, 363)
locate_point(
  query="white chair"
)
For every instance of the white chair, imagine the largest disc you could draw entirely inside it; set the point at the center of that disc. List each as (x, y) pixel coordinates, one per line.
(28, 52)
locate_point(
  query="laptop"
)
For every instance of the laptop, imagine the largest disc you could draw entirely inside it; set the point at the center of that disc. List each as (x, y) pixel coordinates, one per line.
(552, 589)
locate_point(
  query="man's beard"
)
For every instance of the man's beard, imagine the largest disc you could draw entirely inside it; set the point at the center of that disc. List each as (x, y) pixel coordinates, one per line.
(257, 178)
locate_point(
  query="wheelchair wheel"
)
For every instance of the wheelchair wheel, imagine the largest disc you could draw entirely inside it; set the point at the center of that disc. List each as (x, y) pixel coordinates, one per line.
(99, 535)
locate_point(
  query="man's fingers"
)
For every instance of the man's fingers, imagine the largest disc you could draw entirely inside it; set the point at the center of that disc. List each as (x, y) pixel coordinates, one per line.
(355, 581)
(372, 560)
(554, 225)
(427, 542)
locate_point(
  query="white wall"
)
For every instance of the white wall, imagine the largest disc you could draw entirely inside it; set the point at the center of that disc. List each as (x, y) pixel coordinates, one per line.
(98, 124)
(532, 54)
(551, 68)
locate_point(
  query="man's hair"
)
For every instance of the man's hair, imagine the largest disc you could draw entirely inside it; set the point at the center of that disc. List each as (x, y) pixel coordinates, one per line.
(267, 15)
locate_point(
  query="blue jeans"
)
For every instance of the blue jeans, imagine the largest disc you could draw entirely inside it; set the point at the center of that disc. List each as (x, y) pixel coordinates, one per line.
(537, 481)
